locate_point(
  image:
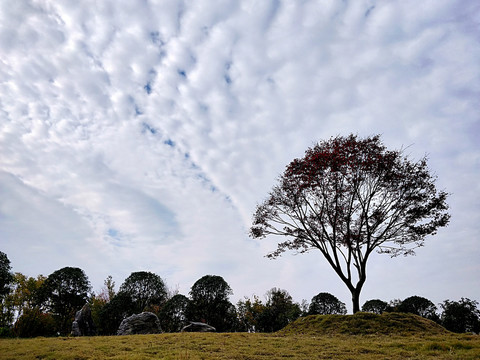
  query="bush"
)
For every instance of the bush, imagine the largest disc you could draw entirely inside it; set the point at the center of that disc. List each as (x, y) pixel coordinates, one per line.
(34, 323)
(6, 332)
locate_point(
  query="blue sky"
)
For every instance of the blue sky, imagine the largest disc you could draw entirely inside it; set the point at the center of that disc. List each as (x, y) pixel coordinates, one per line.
(141, 135)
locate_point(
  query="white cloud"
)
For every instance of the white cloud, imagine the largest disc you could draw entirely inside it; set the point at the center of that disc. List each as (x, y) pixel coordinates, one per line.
(156, 127)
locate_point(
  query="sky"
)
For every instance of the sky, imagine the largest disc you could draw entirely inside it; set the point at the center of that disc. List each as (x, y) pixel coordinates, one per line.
(140, 135)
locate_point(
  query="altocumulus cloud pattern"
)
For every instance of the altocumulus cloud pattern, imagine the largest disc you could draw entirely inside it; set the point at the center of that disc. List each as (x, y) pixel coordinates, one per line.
(140, 135)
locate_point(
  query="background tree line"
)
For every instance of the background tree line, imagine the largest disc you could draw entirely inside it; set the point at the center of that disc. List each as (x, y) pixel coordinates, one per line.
(46, 306)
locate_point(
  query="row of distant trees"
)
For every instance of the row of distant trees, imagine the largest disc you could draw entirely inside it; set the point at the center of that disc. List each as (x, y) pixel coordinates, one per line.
(46, 306)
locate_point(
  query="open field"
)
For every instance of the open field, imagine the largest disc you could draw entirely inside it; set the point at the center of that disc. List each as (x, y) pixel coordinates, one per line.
(244, 346)
(359, 336)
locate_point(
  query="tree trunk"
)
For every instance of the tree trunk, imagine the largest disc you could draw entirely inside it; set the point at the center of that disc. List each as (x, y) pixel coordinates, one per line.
(357, 289)
(356, 299)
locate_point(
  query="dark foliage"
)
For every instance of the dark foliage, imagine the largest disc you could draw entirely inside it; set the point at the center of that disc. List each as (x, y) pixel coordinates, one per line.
(326, 304)
(375, 306)
(250, 314)
(6, 277)
(33, 323)
(461, 316)
(419, 306)
(145, 289)
(210, 303)
(63, 293)
(173, 315)
(112, 313)
(6, 332)
(46, 306)
(348, 197)
(280, 310)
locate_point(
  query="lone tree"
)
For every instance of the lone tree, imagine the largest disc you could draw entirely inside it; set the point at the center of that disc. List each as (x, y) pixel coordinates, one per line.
(348, 197)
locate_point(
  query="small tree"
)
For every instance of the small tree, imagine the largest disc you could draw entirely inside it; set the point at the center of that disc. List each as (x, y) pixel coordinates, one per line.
(249, 314)
(280, 310)
(33, 322)
(6, 277)
(97, 302)
(210, 303)
(419, 306)
(25, 292)
(461, 316)
(375, 306)
(108, 291)
(111, 314)
(348, 197)
(326, 304)
(63, 293)
(145, 289)
(173, 315)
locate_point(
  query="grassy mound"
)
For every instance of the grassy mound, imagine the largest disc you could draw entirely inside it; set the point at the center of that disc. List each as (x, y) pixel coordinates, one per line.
(364, 324)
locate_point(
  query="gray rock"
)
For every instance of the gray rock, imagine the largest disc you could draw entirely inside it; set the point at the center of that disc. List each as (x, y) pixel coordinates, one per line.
(144, 323)
(83, 324)
(76, 329)
(198, 327)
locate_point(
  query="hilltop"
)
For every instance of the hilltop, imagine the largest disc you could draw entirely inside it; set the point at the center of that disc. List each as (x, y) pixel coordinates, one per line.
(364, 324)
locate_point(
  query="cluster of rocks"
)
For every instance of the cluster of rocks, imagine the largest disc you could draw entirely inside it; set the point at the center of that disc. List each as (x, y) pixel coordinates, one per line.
(144, 323)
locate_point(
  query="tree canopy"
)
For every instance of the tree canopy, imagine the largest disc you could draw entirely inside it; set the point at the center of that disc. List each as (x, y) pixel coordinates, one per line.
(145, 289)
(63, 293)
(210, 303)
(419, 306)
(250, 313)
(461, 316)
(6, 277)
(375, 306)
(326, 304)
(113, 312)
(210, 288)
(173, 315)
(280, 310)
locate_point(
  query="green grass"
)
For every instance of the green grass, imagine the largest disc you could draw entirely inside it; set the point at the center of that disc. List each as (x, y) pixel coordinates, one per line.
(318, 337)
(365, 324)
(244, 346)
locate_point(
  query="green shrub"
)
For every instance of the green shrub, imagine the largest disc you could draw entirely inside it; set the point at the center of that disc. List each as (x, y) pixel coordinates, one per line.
(6, 332)
(34, 323)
